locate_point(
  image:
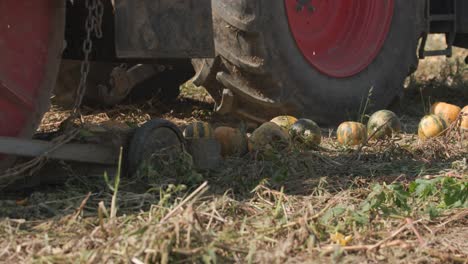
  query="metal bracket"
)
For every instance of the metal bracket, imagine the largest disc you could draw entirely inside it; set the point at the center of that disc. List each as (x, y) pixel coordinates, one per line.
(227, 103)
(449, 36)
(122, 81)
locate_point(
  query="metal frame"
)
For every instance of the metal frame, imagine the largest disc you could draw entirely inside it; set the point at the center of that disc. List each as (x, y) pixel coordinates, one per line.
(87, 153)
(450, 33)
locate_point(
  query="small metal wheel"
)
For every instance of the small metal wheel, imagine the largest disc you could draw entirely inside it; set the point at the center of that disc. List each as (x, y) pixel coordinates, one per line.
(157, 141)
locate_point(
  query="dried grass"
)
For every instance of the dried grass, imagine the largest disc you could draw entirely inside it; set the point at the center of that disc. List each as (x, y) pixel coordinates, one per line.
(390, 198)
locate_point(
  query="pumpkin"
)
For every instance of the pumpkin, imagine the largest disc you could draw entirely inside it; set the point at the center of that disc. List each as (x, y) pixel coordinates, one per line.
(351, 133)
(448, 112)
(431, 126)
(233, 141)
(268, 136)
(284, 121)
(382, 124)
(306, 131)
(197, 130)
(464, 121)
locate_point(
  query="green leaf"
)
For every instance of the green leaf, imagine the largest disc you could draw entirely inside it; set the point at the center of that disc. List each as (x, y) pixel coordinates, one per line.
(433, 212)
(332, 213)
(400, 196)
(454, 192)
(360, 218)
(412, 187)
(424, 188)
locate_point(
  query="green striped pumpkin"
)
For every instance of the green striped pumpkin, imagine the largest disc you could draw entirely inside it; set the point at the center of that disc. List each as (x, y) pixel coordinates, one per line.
(268, 136)
(306, 132)
(431, 126)
(284, 121)
(382, 124)
(197, 130)
(351, 133)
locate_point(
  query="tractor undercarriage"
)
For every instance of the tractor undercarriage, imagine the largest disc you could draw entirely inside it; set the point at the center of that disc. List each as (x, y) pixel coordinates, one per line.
(256, 58)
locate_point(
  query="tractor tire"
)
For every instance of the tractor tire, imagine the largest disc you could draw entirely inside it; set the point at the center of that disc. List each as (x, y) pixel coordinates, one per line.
(260, 72)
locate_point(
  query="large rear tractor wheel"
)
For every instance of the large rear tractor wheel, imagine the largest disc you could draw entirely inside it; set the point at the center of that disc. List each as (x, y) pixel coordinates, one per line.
(31, 39)
(317, 59)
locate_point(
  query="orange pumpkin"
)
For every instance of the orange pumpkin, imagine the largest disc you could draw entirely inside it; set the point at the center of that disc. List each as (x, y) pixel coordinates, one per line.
(233, 142)
(284, 121)
(351, 133)
(431, 126)
(464, 121)
(382, 124)
(448, 112)
(268, 136)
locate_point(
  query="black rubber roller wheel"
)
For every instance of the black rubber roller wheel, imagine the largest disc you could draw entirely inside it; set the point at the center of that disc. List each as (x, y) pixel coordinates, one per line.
(155, 136)
(315, 59)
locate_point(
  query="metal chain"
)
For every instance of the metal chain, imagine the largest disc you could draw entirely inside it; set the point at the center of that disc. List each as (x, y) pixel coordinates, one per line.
(93, 24)
(99, 14)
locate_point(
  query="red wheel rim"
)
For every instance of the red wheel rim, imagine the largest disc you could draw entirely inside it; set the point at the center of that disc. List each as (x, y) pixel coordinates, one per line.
(340, 38)
(29, 57)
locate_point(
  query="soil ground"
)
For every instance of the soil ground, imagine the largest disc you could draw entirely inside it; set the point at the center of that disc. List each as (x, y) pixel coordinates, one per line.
(400, 200)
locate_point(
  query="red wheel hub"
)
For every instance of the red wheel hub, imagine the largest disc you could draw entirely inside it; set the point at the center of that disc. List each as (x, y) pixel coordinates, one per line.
(26, 32)
(340, 38)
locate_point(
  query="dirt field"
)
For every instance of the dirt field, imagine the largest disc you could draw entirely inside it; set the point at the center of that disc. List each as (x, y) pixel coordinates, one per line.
(399, 201)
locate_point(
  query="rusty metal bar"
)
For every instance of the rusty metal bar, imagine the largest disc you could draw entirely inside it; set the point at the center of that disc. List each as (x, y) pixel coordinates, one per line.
(88, 153)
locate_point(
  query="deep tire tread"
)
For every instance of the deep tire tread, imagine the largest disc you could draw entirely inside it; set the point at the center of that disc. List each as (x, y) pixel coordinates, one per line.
(250, 60)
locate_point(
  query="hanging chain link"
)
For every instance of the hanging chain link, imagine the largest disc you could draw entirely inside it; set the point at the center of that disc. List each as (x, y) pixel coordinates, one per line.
(93, 24)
